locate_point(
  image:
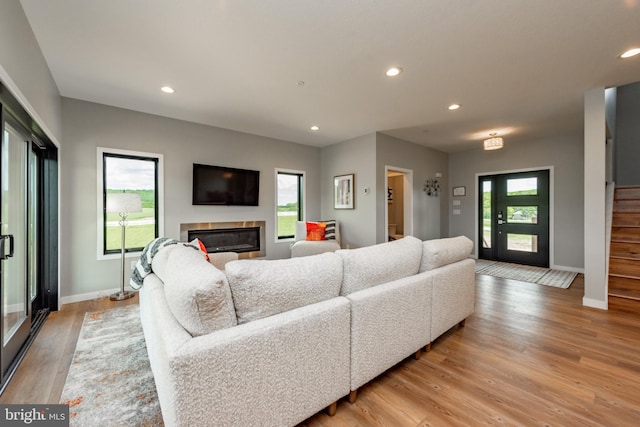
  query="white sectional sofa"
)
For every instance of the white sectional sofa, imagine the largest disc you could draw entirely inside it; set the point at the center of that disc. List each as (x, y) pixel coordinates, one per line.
(272, 342)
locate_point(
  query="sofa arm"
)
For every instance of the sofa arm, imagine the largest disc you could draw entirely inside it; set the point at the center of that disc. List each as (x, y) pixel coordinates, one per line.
(388, 323)
(454, 295)
(310, 247)
(162, 334)
(274, 371)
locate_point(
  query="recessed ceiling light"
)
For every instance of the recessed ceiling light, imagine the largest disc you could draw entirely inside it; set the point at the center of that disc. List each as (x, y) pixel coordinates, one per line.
(454, 106)
(315, 128)
(393, 71)
(167, 89)
(630, 53)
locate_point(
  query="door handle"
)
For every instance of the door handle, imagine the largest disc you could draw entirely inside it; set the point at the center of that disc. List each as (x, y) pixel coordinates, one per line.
(3, 254)
(500, 222)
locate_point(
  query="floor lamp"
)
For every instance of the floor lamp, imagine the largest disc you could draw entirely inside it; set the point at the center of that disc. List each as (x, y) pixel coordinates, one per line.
(123, 204)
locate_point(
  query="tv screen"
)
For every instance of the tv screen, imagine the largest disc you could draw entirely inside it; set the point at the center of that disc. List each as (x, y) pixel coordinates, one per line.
(218, 185)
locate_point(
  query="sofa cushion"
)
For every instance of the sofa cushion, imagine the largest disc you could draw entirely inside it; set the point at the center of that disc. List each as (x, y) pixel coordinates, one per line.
(316, 230)
(385, 262)
(197, 293)
(159, 261)
(330, 231)
(439, 252)
(262, 288)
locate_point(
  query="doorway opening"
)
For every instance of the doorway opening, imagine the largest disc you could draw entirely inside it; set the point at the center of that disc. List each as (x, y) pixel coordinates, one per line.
(399, 203)
(514, 217)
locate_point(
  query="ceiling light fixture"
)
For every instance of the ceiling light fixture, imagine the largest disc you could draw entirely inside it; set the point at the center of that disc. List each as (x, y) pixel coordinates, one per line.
(393, 71)
(314, 128)
(454, 106)
(630, 53)
(167, 89)
(493, 143)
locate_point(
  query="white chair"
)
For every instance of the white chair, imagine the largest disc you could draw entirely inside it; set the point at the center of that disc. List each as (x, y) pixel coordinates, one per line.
(304, 247)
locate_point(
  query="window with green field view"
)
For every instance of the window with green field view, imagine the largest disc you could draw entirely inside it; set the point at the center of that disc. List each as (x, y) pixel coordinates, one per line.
(289, 193)
(487, 237)
(130, 174)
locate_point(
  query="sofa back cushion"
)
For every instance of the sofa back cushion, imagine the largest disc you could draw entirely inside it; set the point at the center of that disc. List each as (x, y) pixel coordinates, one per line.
(439, 252)
(374, 265)
(197, 293)
(262, 288)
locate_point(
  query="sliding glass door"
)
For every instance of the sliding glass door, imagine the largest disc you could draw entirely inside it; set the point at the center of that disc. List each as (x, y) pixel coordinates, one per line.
(18, 268)
(28, 231)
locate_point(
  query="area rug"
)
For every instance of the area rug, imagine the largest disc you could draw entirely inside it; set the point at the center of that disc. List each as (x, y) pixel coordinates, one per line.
(526, 273)
(110, 381)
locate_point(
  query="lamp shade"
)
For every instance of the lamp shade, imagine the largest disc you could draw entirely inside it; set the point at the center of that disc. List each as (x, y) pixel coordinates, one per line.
(494, 143)
(123, 203)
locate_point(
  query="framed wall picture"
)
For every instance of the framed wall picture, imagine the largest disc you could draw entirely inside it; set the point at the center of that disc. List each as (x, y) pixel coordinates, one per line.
(459, 191)
(343, 191)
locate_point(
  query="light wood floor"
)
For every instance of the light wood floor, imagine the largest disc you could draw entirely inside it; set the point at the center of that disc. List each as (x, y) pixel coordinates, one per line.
(41, 376)
(530, 355)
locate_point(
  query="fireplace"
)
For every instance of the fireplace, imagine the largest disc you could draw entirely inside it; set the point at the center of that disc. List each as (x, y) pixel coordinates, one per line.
(246, 238)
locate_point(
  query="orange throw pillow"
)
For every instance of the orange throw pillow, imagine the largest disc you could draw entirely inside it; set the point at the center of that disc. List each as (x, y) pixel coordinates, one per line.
(197, 243)
(316, 230)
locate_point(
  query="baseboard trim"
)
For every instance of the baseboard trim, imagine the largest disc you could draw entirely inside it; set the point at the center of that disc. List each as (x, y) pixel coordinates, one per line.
(565, 268)
(594, 303)
(89, 296)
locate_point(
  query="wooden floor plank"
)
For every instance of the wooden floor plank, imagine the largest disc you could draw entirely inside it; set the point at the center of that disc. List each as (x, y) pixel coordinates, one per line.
(530, 355)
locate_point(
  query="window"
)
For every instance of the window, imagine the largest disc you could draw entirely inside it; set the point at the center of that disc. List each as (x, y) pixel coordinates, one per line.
(289, 202)
(522, 186)
(129, 172)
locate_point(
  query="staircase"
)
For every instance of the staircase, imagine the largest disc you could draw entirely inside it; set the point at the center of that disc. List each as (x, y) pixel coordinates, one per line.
(624, 257)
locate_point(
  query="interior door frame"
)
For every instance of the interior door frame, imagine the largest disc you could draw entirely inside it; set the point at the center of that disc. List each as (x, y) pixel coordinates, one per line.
(479, 175)
(407, 201)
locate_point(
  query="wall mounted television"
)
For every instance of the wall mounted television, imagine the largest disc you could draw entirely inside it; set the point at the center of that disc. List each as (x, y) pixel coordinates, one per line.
(219, 185)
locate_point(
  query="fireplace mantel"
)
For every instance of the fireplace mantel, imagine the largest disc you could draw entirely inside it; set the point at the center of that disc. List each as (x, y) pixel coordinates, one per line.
(246, 238)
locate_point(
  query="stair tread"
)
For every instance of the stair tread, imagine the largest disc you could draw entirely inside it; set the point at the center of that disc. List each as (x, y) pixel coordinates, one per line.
(624, 276)
(623, 294)
(623, 257)
(624, 253)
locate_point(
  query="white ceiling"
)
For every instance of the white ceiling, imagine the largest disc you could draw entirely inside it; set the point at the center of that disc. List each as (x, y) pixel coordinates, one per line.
(519, 67)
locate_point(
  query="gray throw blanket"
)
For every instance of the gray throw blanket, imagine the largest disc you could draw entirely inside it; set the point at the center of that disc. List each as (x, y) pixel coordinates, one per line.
(143, 266)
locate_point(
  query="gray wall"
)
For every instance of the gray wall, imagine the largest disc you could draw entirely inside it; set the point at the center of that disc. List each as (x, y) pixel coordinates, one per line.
(357, 156)
(565, 153)
(627, 135)
(87, 126)
(24, 71)
(430, 218)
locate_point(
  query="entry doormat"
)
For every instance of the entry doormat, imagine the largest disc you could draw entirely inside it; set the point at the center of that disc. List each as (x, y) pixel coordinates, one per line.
(526, 273)
(110, 382)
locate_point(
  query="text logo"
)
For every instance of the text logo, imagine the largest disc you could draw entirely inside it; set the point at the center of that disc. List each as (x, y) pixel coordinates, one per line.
(34, 415)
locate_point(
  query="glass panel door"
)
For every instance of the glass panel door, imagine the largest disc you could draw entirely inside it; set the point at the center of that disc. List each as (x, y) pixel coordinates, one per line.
(514, 218)
(34, 235)
(14, 243)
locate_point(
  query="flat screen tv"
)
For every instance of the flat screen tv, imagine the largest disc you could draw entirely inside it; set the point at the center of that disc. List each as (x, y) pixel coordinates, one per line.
(219, 185)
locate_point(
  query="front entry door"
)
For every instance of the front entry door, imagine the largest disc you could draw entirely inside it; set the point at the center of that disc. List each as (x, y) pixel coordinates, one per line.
(514, 217)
